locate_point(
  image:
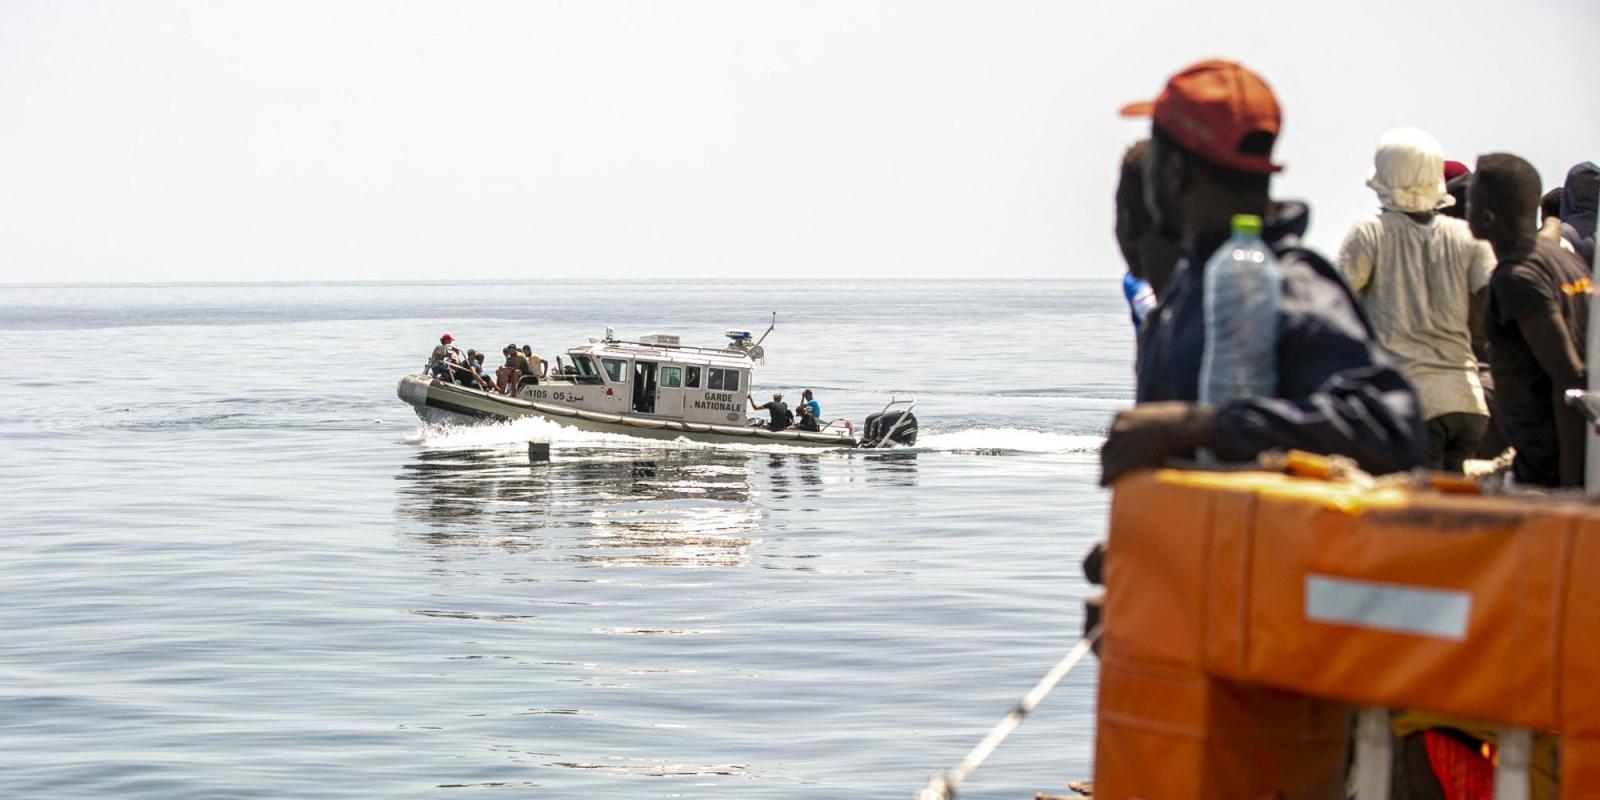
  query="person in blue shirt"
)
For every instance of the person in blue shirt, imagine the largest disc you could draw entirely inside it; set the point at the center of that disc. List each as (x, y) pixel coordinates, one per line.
(809, 401)
(804, 419)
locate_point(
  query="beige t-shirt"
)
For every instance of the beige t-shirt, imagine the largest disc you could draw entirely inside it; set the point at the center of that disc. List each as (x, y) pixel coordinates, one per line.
(1415, 281)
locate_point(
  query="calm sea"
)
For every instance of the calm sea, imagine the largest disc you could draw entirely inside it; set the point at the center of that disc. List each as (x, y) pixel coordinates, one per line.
(233, 564)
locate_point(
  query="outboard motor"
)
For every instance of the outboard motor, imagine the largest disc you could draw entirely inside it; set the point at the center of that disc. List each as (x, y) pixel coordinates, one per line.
(889, 427)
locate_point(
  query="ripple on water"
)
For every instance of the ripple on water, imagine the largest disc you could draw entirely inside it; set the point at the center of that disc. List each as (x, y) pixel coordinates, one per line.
(254, 580)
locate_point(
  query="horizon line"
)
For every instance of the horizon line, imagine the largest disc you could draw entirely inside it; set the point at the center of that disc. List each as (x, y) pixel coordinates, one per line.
(459, 281)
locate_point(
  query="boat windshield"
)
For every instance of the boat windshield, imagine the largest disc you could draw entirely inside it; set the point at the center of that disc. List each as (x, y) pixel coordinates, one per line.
(587, 372)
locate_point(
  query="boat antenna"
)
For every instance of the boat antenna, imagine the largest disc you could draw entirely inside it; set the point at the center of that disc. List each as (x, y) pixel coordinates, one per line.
(769, 329)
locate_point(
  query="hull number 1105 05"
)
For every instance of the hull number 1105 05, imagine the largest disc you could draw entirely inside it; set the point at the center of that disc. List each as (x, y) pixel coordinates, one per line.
(559, 397)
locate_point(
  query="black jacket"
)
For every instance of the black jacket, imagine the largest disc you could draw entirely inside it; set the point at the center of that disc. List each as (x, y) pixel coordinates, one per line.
(1580, 202)
(1337, 391)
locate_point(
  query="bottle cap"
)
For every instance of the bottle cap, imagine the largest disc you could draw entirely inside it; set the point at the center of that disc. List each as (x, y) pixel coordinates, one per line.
(1246, 225)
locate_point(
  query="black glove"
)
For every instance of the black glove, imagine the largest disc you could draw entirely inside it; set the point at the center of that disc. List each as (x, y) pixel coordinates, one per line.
(1149, 434)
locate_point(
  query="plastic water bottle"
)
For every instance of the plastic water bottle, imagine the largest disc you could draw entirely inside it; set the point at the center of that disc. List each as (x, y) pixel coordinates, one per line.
(1242, 288)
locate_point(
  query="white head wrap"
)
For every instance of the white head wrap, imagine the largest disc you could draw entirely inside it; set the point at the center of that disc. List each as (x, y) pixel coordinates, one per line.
(1408, 172)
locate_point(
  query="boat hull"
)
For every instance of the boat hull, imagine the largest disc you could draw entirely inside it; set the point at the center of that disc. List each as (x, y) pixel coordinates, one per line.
(437, 402)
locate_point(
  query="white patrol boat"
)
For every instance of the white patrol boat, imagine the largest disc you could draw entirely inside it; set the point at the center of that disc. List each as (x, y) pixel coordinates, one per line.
(655, 388)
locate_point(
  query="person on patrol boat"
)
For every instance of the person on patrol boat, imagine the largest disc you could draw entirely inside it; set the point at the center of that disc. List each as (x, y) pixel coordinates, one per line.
(782, 417)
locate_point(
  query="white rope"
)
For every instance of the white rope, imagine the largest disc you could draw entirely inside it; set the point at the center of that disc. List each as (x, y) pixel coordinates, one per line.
(943, 787)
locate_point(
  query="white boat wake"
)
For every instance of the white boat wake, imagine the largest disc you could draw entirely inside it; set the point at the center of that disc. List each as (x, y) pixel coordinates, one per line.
(1008, 440)
(517, 432)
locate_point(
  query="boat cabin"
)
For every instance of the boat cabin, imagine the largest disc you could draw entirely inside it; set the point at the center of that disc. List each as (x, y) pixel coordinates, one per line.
(655, 376)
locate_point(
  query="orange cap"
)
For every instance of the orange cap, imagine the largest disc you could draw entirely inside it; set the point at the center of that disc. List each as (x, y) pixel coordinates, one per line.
(1210, 109)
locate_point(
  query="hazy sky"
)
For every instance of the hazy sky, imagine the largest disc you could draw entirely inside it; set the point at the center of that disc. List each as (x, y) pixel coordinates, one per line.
(770, 139)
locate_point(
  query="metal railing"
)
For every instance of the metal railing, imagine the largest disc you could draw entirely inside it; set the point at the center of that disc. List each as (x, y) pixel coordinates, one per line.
(1375, 757)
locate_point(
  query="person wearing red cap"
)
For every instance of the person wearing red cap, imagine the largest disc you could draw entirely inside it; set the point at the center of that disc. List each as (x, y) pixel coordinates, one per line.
(1212, 133)
(444, 356)
(1457, 188)
(1456, 177)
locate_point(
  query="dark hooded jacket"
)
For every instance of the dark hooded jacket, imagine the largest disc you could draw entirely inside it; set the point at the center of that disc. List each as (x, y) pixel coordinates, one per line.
(1457, 187)
(1580, 198)
(1337, 392)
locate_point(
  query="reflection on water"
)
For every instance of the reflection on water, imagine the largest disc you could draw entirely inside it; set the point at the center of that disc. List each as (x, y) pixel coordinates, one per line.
(794, 475)
(892, 467)
(663, 506)
(610, 506)
(635, 505)
(451, 488)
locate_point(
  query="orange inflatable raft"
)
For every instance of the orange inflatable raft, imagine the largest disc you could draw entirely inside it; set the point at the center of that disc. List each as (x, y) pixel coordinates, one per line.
(1247, 613)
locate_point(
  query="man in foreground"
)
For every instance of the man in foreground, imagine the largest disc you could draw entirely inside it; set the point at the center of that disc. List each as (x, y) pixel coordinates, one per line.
(1212, 133)
(1416, 274)
(1536, 319)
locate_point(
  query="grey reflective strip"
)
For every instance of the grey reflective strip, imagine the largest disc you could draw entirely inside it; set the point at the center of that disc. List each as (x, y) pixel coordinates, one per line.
(1441, 613)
